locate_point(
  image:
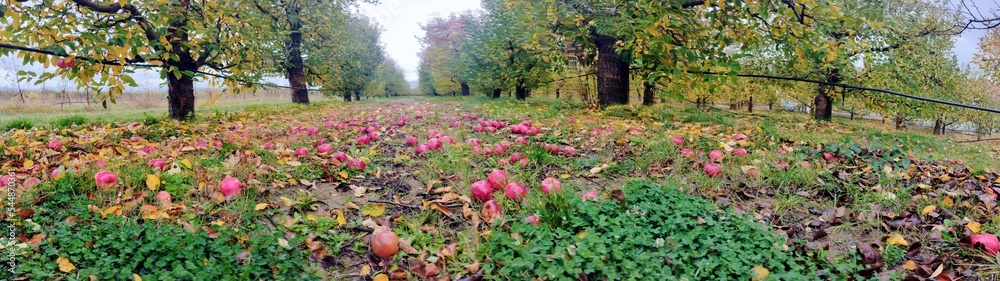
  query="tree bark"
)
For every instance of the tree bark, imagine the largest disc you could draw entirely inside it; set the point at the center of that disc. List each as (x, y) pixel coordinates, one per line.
(648, 93)
(520, 91)
(357, 95)
(465, 89)
(347, 95)
(938, 126)
(496, 93)
(296, 68)
(612, 73)
(899, 122)
(750, 104)
(180, 96)
(823, 105)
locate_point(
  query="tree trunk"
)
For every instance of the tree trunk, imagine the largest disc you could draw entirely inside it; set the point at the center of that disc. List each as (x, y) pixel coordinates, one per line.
(648, 93)
(899, 122)
(496, 93)
(465, 89)
(557, 93)
(296, 68)
(180, 96)
(347, 95)
(521, 92)
(357, 95)
(938, 126)
(612, 73)
(823, 105)
(770, 106)
(823, 110)
(733, 105)
(750, 104)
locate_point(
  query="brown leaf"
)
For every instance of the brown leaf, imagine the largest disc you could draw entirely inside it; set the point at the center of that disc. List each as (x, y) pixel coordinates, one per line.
(448, 251)
(416, 266)
(472, 268)
(441, 208)
(25, 213)
(37, 239)
(871, 258)
(212, 233)
(618, 195)
(431, 270)
(406, 248)
(242, 256)
(398, 274)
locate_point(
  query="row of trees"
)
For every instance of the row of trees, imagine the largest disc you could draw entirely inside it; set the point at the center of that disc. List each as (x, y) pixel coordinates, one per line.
(311, 43)
(904, 45)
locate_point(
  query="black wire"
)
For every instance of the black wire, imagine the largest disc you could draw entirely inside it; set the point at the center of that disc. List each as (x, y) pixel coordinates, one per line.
(774, 77)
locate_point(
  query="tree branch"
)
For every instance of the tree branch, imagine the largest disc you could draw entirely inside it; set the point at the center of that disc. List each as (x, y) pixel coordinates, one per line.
(115, 7)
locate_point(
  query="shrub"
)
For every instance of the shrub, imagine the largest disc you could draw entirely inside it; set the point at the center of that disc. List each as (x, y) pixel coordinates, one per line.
(657, 234)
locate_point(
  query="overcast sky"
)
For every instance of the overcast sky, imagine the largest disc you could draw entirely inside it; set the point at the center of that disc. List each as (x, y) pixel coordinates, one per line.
(400, 21)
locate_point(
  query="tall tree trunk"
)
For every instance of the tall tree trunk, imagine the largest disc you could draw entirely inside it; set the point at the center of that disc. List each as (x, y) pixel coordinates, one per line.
(180, 97)
(357, 95)
(823, 105)
(465, 89)
(347, 95)
(750, 104)
(770, 106)
(612, 73)
(648, 93)
(557, 93)
(296, 68)
(496, 93)
(899, 122)
(520, 91)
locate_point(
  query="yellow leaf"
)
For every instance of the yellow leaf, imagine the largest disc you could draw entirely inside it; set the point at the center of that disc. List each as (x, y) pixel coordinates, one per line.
(293, 182)
(948, 202)
(186, 163)
(113, 210)
(381, 277)
(28, 164)
(341, 220)
(260, 206)
(365, 270)
(218, 198)
(928, 209)
(153, 182)
(285, 201)
(759, 273)
(564, 176)
(373, 210)
(65, 265)
(136, 277)
(343, 174)
(283, 243)
(897, 239)
(352, 206)
(910, 265)
(974, 227)
(311, 217)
